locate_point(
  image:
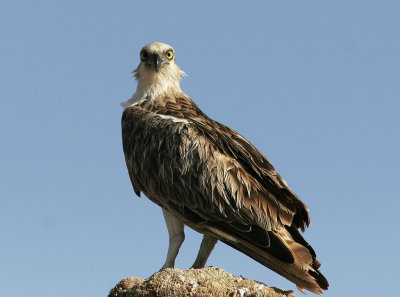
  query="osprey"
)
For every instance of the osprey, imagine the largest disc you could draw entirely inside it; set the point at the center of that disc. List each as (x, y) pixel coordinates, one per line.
(207, 176)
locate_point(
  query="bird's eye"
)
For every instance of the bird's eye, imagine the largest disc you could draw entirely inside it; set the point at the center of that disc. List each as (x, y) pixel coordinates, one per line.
(169, 54)
(144, 55)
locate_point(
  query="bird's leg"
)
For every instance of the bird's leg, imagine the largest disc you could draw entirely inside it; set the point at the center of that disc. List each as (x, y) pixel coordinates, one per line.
(207, 245)
(176, 238)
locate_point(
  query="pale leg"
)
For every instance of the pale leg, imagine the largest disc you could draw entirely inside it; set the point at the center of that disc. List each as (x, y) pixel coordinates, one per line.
(207, 245)
(176, 238)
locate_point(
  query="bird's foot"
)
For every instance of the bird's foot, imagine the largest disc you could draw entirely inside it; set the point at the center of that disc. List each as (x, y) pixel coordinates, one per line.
(166, 265)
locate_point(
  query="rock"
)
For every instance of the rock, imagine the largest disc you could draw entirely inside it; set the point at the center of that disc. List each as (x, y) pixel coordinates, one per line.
(205, 282)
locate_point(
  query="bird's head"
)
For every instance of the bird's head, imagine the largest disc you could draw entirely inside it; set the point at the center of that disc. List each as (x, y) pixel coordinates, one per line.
(157, 73)
(157, 65)
(157, 57)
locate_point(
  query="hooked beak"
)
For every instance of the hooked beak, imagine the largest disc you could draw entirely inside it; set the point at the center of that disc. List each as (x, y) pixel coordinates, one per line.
(156, 61)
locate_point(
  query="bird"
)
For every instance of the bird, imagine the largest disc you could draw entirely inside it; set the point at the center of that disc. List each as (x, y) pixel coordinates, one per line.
(210, 178)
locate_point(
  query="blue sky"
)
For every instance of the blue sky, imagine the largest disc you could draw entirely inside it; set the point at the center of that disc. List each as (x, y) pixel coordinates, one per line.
(314, 85)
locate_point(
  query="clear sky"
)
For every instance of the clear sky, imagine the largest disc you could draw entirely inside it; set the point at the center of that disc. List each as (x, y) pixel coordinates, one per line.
(315, 85)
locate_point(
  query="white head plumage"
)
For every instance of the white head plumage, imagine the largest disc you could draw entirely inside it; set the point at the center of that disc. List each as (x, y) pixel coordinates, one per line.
(157, 74)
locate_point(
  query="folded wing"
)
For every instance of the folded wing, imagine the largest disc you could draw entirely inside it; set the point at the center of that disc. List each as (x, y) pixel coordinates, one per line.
(219, 184)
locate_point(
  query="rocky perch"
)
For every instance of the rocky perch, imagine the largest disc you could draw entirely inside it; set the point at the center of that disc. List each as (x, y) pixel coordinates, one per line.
(205, 282)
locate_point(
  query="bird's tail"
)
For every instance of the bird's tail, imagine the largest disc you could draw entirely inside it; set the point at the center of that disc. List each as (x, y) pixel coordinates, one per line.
(286, 252)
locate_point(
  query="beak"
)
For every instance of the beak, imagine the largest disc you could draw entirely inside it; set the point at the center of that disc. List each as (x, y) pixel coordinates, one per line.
(157, 61)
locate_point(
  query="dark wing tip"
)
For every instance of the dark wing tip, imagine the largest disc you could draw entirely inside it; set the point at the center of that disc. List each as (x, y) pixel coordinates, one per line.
(320, 279)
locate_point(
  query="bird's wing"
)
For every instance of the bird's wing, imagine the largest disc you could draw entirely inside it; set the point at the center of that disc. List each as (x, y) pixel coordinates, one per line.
(265, 190)
(219, 183)
(249, 178)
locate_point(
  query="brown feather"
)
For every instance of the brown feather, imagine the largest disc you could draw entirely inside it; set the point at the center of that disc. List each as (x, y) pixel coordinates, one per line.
(218, 183)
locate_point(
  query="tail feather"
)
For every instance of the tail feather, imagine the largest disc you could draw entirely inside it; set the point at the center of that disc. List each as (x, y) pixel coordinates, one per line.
(284, 251)
(301, 268)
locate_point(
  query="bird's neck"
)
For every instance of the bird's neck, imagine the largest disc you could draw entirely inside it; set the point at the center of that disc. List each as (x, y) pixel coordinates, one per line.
(153, 87)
